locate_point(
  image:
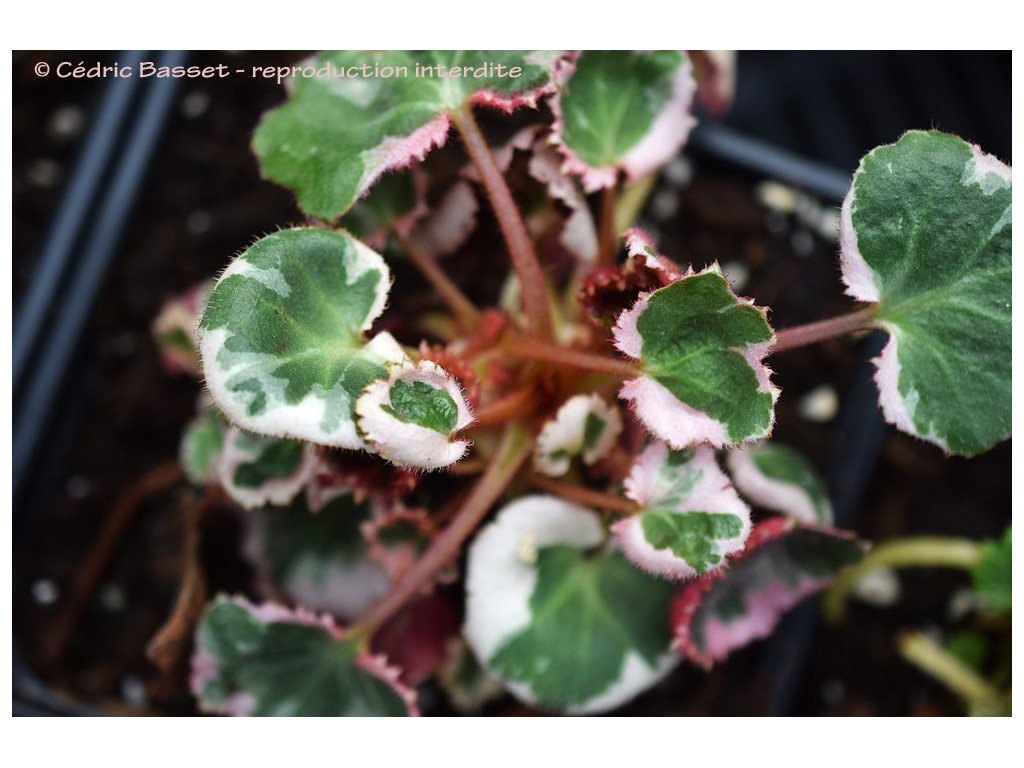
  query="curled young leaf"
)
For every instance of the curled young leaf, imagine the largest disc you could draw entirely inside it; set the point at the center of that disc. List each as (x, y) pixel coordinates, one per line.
(784, 562)
(256, 470)
(564, 624)
(690, 517)
(267, 660)
(622, 110)
(585, 426)
(368, 113)
(282, 335)
(411, 417)
(926, 233)
(700, 349)
(779, 478)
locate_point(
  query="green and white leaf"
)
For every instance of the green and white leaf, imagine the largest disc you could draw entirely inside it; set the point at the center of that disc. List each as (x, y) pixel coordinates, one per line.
(317, 559)
(202, 444)
(564, 623)
(585, 426)
(175, 329)
(690, 518)
(335, 136)
(622, 110)
(700, 349)
(256, 470)
(282, 336)
(781, 479)
(993, 575)
(411, 417)
(926, 234)
(269, 661)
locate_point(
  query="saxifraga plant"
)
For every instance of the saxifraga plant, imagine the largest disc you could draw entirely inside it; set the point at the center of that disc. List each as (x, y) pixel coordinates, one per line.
(584, 419)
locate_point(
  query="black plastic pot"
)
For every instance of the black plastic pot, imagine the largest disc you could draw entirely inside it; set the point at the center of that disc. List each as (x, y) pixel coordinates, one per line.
(835, 105)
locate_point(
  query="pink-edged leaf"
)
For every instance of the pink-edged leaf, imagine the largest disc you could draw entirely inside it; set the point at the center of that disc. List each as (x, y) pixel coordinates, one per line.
(339, 133)
(451, 221)
(690, 518)
(415, 639)
(256, 471)
(784, 562)
(701, 349)
(396, 536)
(579, 235)
(781, 479)
(203, 443)
(175, 330)
(267, 660)
(622, 111)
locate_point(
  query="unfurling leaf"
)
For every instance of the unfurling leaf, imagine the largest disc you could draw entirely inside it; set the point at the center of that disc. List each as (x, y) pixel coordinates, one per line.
(690, 517)
(584, 426)
(340, 131)
(993, 577)
(411, 417)
(175, 329)
(784, 562)
(266, 660)
(779, 478)
(563, 623)
(926, 234)
(256, 470)
(282, 336)
(700, 349)
(622, 110)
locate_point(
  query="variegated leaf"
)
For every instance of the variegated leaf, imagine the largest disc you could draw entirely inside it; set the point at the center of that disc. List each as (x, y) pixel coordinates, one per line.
(781, 479)
(622, 110)
(340, 131)
(282, 336)
(267, 660)
(411, 418)
(690, 517)
(926, 233)
(256, 470)
(784, 562)
(700, 349)
(585, 426)
(202, 444)
(320, 558)
(565, 624)
(175, 329)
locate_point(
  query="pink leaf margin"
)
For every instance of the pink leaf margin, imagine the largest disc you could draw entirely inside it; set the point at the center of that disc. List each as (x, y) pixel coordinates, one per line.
(771, 600)
(205, 666)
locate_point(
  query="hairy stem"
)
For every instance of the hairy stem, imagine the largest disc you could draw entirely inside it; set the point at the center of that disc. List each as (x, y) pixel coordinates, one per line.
(466, 313)
(585, 496)
(924, 653)
(515, 345)
(514, 448)
(922, 551)
(514, 405)
(609, 236)
(536, 302)
(802, 335)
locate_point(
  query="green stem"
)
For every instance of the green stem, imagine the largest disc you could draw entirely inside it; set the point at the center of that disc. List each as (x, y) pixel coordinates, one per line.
(536, 301)
(513, 451)
(802, 335)
(922, 551)
(516, 345)
(929, 656)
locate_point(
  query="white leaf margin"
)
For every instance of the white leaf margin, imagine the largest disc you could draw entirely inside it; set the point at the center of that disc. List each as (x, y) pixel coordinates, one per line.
(501, 577)
(279, 490)
(771, 493)
(566, 432)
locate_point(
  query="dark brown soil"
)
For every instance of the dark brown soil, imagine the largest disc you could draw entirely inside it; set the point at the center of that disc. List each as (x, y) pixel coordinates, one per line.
(204, 201)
